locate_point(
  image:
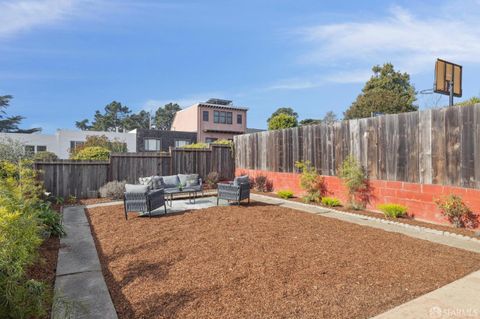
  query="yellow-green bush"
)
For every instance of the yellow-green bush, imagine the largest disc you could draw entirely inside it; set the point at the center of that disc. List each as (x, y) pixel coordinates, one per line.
(196, 146)
(331, 201)
(24, 217)
(393, 210)
(94, 153)
(285, 194)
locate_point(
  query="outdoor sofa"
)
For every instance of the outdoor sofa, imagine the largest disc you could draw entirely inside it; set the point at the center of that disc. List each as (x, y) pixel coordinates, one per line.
(235, 191)
(150, 193)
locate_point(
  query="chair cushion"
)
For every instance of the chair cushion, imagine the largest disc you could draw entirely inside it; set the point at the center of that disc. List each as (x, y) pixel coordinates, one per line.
(170, 181)
(131, 188)
(241, 180)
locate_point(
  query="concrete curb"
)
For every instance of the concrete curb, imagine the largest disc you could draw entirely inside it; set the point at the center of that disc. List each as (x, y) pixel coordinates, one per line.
(79, 277)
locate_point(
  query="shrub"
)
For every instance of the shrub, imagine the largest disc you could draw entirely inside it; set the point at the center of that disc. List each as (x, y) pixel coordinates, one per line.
(114, 190)
(51, 220)
(282, 121)
(100, 141)
(453, 207)
(45, 156)
(222, 141)
(355, 181)
(310, 181)
(11, 150)
(331, 202)
(261, 183)
(212, 179)
(285, 194)
(21, 223)
(196, 146)
(393, 210)
(96, 153)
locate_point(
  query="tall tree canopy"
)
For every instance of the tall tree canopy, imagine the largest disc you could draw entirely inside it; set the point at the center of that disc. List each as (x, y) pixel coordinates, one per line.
(284, 110)
(9, 124)
(329, 117)
(282, 121)
(387, 91)
(165, 115)
(115, 117)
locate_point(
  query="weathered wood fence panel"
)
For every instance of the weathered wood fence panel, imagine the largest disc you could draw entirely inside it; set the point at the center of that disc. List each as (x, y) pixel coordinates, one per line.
(439, 146)
(130, 166)
(78, 178)
(73, 178)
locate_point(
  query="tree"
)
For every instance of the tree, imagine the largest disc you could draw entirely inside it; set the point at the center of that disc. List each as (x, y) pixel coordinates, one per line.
(138, 120)
(387, 91)
(11, 150)
(330, 117)
(9, 124)
(471, 101)
(113, 119)
(309, 122)
(284, 110)
(165, 115)
(281, 121)
(92, 153)
(102, 141)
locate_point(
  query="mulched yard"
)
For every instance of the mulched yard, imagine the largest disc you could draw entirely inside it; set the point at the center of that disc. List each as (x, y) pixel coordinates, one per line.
(405, 220)
(263, 261)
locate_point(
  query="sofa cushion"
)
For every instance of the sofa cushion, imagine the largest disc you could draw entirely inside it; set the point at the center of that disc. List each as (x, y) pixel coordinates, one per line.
(241, 180)
(157, 182)
(146, 181)
(170, 181)
(192, 180)
(131, 188)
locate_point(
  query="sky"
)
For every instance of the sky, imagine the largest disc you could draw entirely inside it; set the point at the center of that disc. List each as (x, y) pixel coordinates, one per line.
(64, 59)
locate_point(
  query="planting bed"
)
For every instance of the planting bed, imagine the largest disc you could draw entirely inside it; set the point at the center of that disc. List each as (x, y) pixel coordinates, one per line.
(406, 220)
(263, 261)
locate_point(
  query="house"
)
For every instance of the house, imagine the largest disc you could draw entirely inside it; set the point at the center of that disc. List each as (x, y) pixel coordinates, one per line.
(158, 140)
(63, 141)
(212, 120)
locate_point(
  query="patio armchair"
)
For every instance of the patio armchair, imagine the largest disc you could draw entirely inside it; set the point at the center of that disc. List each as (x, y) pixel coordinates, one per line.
(138, 198)
(235, 191)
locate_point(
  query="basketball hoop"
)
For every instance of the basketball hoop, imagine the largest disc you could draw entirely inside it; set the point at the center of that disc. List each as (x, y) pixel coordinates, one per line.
(448, 79)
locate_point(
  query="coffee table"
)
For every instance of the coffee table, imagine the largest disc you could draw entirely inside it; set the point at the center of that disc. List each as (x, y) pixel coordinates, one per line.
(192, 194)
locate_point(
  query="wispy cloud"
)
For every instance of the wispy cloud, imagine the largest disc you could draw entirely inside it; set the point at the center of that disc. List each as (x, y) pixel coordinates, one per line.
(24, 15)
(411, 42)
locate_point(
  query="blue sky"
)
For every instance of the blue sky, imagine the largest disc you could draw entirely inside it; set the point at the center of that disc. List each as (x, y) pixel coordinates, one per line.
(64, 59)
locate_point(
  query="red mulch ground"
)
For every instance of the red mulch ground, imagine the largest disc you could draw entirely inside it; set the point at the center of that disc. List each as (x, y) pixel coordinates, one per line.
(263, 261)
(405, 220)
(45, 268)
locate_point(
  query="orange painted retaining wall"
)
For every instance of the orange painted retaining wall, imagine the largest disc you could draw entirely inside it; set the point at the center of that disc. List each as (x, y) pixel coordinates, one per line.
(419, 198)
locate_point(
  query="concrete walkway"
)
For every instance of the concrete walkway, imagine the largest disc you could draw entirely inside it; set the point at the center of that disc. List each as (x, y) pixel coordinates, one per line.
(79, 274)
(459, 299)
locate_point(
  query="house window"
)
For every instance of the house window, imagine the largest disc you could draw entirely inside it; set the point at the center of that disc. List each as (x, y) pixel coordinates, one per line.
(152, 144)
(222, 117)
(210, 139)
(41, 148)
(29, 149)
(239, 119)
(205, 116)
(180, 143)
(75, 144)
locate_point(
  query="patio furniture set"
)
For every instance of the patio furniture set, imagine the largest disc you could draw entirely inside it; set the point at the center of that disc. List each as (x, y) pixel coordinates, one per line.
(155, 191)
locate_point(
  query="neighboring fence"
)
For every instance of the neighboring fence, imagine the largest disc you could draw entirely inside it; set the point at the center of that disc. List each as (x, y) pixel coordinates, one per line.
(438, 146)
(79, 178)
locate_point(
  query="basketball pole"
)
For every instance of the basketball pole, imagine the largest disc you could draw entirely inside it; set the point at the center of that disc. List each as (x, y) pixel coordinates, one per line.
(450, 90)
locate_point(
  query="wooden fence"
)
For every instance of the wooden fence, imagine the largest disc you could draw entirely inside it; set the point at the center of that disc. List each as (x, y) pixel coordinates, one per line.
(79, 178)
(438, 146)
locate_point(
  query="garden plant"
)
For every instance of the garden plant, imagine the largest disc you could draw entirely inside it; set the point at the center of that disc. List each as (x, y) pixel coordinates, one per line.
(456, 211)
(310, 181)
(393, 210)
(354, 179)
(331, 202)
(285, 194)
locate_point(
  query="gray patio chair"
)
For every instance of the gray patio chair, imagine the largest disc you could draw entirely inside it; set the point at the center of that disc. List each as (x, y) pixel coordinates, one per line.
(235, 191)
(138, 198)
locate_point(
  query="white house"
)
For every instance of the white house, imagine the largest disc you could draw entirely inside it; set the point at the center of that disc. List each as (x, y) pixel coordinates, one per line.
(62, 141)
